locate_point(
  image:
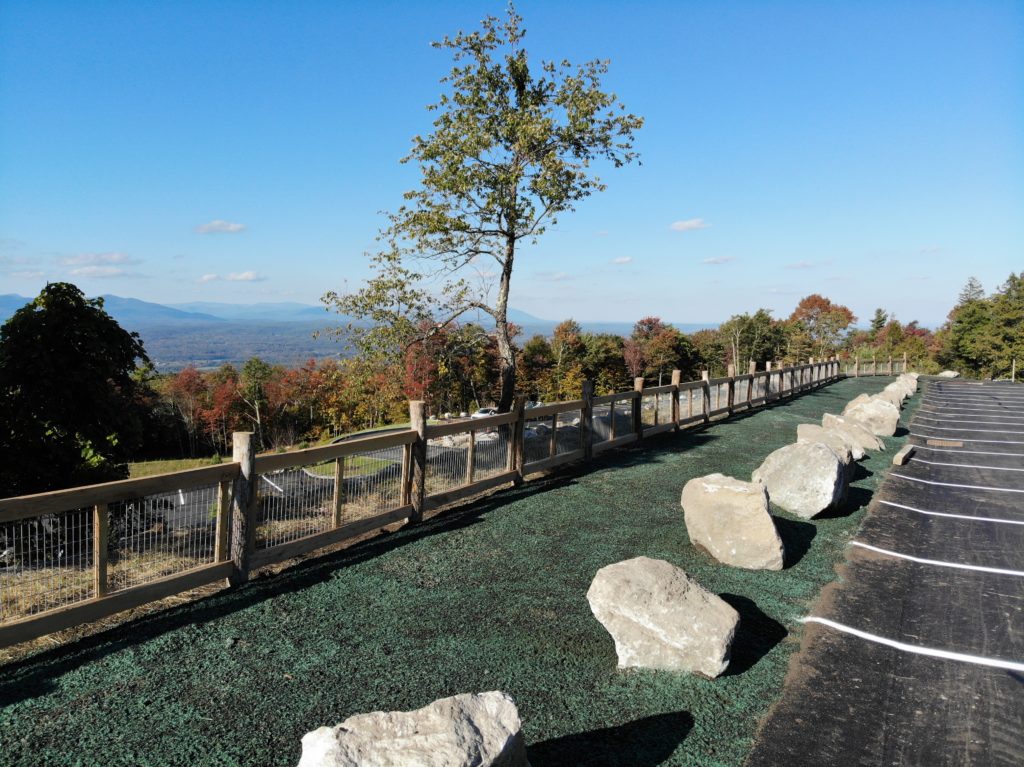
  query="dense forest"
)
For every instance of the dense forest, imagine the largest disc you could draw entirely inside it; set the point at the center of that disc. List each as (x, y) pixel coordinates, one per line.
(454, 370)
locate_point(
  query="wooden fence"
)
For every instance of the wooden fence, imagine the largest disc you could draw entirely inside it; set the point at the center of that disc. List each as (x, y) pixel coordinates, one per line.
(875, 367)
(76, 555)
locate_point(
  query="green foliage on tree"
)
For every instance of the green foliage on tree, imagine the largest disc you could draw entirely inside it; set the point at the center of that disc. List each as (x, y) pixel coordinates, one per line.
(983, 336)
(754, 337)
(70, 407)
(511, 150)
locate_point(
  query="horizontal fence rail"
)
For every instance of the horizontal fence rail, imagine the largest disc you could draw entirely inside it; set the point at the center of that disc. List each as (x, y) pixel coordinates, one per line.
(72, 556)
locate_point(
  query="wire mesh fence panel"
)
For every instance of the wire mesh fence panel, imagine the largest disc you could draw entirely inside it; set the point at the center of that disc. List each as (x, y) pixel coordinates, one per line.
(490, 453)
(536, 440)
(649, 409)
(371, 483)
(161, 535)
(568, 432)
(600, 424)
(446, 462)
(294, 503)
(665, 408)
(47, 563)
(742, 391)
(723, 395)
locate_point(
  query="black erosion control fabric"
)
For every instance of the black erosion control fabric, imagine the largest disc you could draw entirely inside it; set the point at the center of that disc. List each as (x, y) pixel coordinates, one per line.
(937, 565)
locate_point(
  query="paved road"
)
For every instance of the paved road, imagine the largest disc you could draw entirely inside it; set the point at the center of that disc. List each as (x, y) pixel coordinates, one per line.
(937, 566)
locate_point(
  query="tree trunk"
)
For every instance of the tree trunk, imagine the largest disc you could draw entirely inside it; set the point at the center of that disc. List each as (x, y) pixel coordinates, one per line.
(505, 350)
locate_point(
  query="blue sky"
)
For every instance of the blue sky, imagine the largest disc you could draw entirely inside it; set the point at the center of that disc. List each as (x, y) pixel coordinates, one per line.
(242, 151)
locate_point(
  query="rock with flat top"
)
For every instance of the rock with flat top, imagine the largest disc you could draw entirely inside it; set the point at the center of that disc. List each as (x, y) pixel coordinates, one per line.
(894, 394)
(805, 478)
(469, 730)
(729, 519)
(949, 374)
(661, 619)
(856, 401)
(811, 432)
(877, 416)
(856, 434)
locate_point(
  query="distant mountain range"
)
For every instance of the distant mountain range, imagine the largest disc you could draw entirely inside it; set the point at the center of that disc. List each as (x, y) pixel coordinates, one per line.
(208, 334)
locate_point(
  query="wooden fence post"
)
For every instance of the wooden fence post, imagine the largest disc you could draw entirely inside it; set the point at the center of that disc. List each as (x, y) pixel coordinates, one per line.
(517, 445)
(856, 367)
(731, 398)
(418, 423)
(890, 364)
(100, 536)
(244, 503)
(587, 420)
(638, 403)
(768, 381)
(904, 363)
(874, 365)
(677, 378)
(705, 394)
(752, 367)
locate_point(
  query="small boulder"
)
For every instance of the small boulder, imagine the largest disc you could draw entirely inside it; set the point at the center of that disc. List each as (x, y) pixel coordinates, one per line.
(462, 731)
(803, 478)
(729, 518)
(877, 416)
(661, 619)
(949, 374)
(811, 432)
(854, 432)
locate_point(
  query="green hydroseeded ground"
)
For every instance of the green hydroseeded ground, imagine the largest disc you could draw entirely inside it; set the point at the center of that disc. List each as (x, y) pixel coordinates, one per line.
(488, 596)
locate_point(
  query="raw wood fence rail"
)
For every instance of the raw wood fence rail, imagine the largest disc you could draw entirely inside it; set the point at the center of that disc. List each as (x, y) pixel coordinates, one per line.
(875, 367)
(77, 555)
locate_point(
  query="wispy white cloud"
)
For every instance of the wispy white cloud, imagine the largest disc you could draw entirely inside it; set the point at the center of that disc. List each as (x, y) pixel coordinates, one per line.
(249, 276)
(25, 274)
(91, 259)
(689, 225)
(99, 272)
(220, 226)
(623, 260)
(718, 260)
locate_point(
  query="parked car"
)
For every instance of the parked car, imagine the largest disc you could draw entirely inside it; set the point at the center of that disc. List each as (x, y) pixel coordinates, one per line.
(484, 412)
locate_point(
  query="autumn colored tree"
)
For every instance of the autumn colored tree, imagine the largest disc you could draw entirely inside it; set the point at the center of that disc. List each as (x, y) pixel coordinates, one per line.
(186, 392)
(824, 323)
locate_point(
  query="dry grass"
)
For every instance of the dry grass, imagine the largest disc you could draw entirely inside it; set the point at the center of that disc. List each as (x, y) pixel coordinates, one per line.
(149, 468)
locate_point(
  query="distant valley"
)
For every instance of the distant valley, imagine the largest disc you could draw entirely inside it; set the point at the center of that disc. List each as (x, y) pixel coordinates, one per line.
(209, 334)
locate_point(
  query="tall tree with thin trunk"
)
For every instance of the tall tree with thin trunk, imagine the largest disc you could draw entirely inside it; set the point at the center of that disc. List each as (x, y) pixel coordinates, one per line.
(511, 150)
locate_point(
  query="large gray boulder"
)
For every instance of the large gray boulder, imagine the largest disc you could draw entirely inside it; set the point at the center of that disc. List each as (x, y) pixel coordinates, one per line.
(811, 433)
(661, 619)
(877, 416)
(892, 394)
(856, 401)
(468, 730)
(853, 431)
(909, 380)
(729, 519)
(805, 479)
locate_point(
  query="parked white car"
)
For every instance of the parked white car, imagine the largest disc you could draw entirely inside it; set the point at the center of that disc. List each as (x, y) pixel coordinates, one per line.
(484, 412)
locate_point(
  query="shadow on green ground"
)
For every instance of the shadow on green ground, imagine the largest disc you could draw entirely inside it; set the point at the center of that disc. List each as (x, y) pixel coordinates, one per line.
(486, 596)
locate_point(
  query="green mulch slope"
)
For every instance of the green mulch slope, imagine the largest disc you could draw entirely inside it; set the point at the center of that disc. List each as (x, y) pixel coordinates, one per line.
(489, 596)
